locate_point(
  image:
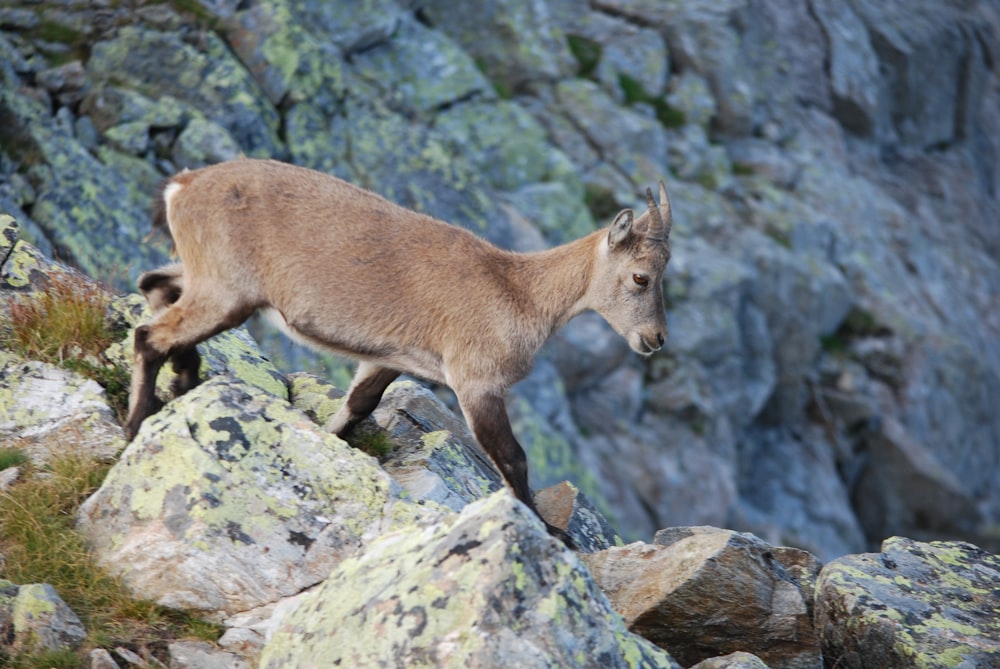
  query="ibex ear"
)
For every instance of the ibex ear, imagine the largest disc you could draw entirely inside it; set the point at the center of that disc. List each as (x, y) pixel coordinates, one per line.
(620, 229)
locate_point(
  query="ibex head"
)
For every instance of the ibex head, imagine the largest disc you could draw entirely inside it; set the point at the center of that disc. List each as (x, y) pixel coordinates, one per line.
(627, 289)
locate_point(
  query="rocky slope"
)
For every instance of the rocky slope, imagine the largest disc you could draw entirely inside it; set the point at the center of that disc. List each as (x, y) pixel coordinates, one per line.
(833, 367)
(233, 504)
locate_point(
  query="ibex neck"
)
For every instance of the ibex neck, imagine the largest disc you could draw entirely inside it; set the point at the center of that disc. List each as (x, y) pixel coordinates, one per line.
(556, 281)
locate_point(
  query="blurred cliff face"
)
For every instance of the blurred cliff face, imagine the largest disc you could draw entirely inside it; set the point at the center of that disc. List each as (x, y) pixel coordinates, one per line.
(833, 370)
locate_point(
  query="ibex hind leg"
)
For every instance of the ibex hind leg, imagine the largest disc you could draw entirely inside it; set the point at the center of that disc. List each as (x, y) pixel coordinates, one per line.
(173, 334)
(162, 287)
(487, 417)
(370, 382)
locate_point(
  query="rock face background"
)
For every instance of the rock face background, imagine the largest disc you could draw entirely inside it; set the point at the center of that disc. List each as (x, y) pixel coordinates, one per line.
(833, 369)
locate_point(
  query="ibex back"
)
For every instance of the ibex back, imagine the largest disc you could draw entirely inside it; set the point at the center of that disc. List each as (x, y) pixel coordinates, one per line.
(344, 270)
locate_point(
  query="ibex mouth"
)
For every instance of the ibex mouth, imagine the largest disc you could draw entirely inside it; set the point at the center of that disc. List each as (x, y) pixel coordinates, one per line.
(643, 347)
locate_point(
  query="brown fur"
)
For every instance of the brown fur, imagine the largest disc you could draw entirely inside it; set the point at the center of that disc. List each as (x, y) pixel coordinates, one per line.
(347, 271)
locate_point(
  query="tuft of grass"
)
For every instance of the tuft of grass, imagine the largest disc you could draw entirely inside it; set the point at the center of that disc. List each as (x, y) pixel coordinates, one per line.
(41, 545)
(667, 115)
(49, 659)
(66, 319)
(66, 324)
(373, 441)
(12, 457)
(587, 53)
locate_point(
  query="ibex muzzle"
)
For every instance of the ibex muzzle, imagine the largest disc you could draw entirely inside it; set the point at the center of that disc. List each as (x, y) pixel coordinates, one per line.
(345, 270)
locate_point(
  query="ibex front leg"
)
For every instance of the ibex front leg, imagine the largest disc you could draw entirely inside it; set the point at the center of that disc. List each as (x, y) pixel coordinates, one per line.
(487, 417)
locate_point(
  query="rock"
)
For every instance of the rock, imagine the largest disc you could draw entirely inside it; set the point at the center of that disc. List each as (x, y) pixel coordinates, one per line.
(738, 660)
(203, 143)
(912, 605)
(203, 655)
(792, 492)
(702, 39)
(516, 42)
(487, 587)
(79, 201)
(923, 49)
(564, 506)
(422, 174)
(702, 591)
(434, 457)
(634, 144)
(22, 266)
(625, 55)
(787, 288)
(507, 145)
(134, 659)
(351, 27)
(228, 499)
(40, 620)
(8, 477)
(421, 71)
(559, 214)
(51, 412)
(854, 73)
(101, 659)
(905, 485)
(210, 81)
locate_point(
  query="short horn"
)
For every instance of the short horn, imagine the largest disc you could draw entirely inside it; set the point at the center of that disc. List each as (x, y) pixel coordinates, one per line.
(655, 227)
(666, 214)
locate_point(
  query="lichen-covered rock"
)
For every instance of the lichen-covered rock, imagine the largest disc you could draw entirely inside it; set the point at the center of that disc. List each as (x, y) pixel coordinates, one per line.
(507, 145)
(434, 456)
(485, 588)
(634, 144)
(915, 604)
(515, 41)
(50, 412)
(202, 143)
(737, 660)
(96, 217)
(210, 80)
(34, 618)
(229, 498)
(421, 70)
(22, 266)
(702, 591)
(353, 26)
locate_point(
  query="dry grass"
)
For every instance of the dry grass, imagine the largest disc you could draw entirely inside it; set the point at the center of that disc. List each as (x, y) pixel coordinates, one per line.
(64, 320)
(66, 324)
(41, 545)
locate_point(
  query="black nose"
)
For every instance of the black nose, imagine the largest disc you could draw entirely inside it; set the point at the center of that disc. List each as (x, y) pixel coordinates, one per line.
(659, 338)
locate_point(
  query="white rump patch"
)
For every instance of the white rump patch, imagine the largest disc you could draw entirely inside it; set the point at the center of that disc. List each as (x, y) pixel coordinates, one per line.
(169, 193)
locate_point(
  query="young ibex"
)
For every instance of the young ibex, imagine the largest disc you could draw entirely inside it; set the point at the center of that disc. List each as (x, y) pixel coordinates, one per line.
(342, 269)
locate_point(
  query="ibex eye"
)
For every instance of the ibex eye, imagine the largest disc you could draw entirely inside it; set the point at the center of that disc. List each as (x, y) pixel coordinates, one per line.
(640, 280)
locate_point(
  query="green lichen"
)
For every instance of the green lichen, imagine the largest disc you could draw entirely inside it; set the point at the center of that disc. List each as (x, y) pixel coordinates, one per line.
(23, 266)
(455, 593)
(928, 599)
(252, 451)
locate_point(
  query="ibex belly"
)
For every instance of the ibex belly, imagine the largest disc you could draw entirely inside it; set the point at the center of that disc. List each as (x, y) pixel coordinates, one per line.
(416, 362)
